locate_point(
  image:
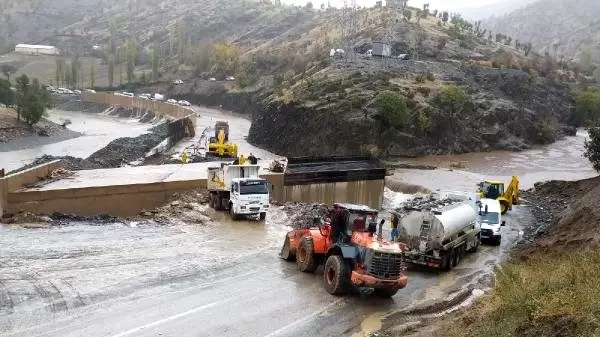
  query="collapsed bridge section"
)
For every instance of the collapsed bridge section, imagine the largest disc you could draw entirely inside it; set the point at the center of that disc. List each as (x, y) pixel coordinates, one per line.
(348, 179)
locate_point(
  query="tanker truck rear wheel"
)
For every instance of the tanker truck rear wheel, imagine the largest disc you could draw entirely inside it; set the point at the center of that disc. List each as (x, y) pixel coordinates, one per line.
(336, 275)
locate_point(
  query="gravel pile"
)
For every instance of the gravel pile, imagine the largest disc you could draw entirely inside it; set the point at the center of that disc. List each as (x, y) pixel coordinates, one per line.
(302, 215)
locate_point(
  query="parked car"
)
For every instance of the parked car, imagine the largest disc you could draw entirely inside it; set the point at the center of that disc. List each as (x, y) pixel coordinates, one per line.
(145, 96)
(158, 97)
(212, 79)
(229, 78)
(171, 101)
(178, 82)
(184, 103)
(92, 91)
(76, 91)
(128, 94)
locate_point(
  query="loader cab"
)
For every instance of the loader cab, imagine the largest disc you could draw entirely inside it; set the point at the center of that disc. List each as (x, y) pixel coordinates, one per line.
(358, 218)
(491, 189)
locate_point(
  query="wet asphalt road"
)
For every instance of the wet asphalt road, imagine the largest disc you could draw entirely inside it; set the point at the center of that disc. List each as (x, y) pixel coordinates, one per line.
(217, 279)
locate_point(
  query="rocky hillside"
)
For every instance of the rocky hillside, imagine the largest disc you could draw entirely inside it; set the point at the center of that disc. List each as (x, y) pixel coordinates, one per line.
(462, 92)
(563, 27)
(447, 87)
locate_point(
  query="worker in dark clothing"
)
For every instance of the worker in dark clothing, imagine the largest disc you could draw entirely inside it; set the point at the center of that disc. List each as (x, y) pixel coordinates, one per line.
(395, 220)
(338, 224)
(252, 159)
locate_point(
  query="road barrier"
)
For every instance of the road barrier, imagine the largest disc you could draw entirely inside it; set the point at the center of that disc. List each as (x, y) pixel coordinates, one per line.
(171, 111)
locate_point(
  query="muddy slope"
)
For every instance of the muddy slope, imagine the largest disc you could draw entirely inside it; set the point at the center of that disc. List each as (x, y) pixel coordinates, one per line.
(567, 216)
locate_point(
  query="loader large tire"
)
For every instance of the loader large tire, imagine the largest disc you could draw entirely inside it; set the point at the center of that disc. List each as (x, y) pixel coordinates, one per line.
(336, 275)
(286, 251)
(386, 292)
(305, 256)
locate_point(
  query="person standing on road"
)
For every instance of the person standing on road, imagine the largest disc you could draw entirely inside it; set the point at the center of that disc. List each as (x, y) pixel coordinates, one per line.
(252, 159)
(394, 223)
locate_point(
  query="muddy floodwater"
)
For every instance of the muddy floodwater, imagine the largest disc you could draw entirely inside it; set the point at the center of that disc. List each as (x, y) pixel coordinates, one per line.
(562, 160)
(97, 130)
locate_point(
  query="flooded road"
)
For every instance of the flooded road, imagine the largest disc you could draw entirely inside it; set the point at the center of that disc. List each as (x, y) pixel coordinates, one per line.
(97, 130)
(222, 278)
(225, 278)
(562, 160)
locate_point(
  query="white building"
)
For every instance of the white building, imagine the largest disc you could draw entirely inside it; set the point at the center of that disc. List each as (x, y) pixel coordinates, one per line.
(30, 49)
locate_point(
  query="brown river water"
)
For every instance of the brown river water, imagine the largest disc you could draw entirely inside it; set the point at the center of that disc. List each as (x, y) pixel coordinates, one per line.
(562, 160)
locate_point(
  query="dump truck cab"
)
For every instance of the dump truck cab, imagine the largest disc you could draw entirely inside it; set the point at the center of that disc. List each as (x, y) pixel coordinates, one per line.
(238, 189)
(350, 244)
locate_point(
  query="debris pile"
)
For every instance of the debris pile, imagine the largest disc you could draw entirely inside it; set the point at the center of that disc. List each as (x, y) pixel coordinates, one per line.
(427, 202)
(302, 215)
(189, 207)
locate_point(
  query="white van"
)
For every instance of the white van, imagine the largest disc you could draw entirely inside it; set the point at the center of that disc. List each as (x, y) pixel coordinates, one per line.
(489, 218)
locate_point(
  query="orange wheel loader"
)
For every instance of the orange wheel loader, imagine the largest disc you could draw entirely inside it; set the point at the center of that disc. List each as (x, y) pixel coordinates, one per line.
(353, 254)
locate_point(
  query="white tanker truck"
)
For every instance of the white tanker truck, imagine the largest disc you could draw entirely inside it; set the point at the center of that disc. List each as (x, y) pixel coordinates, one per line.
(439, 237)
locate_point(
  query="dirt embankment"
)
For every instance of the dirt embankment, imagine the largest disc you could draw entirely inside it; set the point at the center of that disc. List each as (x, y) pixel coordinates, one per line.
(567, 216)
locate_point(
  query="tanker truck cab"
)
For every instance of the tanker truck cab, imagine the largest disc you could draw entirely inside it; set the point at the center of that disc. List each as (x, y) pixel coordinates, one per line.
(249, 196)
(489, 217)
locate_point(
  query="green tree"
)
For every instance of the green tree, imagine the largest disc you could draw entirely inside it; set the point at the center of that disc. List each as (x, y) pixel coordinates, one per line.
(111, 71)
(75, 67)
(8, 70)
(60, 70)
(587, 107)
(92, 74)
(22, 86)
(309, 5)
(130, 53)
(113, 36)
(592, 148)
(155, 63)
(7, 96)
(226, 57)
(453, 98)
(34, 107)
(392, 110)
(597, 74)
(585, 60)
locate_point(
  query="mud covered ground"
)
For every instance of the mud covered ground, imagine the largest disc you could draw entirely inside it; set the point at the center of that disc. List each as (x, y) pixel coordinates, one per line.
(566, 214)
(194, 271)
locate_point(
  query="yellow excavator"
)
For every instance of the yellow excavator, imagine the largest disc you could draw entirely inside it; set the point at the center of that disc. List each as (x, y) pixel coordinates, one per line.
(219, 144)
(492, 189)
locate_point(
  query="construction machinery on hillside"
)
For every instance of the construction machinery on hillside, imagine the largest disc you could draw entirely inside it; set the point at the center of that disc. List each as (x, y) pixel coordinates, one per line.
(353, 254)
(492, 189)
(219, 145)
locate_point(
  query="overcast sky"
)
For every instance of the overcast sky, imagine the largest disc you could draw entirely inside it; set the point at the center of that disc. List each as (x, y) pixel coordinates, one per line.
(433, 4)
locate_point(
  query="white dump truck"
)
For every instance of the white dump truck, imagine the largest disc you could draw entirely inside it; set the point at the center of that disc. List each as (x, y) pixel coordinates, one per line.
(239, 189)
(439, 237)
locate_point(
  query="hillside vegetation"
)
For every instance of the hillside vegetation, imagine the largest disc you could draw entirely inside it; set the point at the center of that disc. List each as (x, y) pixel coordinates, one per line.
(463, 88)
(561, 27)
